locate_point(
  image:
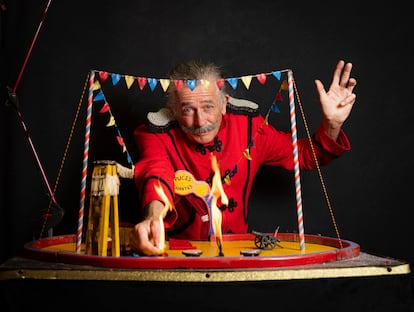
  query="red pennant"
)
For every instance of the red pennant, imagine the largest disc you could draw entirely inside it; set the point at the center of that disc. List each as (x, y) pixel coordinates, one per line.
(105, 108)
(142, 81)
(220, 83)
(103, 76)
(120, 140)
(279, 97)
(178, 84)
(261, 78)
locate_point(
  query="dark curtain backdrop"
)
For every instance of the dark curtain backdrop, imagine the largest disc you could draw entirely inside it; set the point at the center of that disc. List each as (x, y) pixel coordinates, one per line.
(369, 187)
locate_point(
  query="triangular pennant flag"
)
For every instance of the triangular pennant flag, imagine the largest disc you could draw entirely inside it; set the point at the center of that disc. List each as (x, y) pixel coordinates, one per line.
(279, 97)
(165, 83)
(105, 108)
(99, 96)
(115, 78)
(142, 81)
(103, 76)
(111, 121)
(246, 154)
(227, 180)
(261, 78)
(247, 80)
(233, 82)
(178, 84)
(284, 86)
(96, 85)
(266, 120)
(120, 140)
(123, 148)
(191, 84)
(129, 159)
(205, 83)
(129, 80)
(220, 83)
(152, 83)
(274, 108)
(276, 74)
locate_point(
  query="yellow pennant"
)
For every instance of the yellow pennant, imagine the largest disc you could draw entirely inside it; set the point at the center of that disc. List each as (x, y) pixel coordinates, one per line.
(129, 81)
(246, 154)
(111, 122)
(227, 180)
(205, 83)
(266, 120)
(284, 86)
(164, 84)
(247, 80)
(96, 85)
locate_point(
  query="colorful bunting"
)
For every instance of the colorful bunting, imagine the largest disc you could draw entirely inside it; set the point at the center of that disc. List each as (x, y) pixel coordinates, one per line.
(261, 78)
(164, 84)
(233, 82)
(152, 83)
(205, 83)
(178, 84)
(246, 154)
(103, 76)
(98, 97)
(220, 83)
(96, 85)
(191, 84)
(142, 81)
(277, 74)
(129, 80)
(284, 86)
(274, 108)
(246, 81)
(105, 108)
(111, 121)
(115, 79)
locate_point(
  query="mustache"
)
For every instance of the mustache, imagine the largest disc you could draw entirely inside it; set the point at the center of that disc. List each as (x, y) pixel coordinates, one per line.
(200, 130)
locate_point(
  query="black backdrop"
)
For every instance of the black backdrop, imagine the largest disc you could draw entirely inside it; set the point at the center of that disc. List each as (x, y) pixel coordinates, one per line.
(369, 187)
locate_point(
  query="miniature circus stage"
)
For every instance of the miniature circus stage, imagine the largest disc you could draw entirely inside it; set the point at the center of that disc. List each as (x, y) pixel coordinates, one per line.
(239, 251)
(324, 275)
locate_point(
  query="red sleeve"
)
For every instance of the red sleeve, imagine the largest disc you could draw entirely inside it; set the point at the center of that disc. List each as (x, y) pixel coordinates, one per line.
(147, 176)
(277, 148)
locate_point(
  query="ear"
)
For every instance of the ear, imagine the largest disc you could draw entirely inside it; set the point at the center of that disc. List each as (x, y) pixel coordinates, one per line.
(226, 98)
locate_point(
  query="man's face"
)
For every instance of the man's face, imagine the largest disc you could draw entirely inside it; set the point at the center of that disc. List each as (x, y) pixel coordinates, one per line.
(200, 111)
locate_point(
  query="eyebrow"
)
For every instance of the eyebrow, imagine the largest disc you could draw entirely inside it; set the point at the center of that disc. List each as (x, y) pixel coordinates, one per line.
(187, 103)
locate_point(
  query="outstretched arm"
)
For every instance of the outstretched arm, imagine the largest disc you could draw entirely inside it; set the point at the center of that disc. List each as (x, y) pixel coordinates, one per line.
(337, 102)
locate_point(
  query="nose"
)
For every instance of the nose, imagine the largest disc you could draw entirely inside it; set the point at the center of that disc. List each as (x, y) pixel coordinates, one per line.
(199, 118)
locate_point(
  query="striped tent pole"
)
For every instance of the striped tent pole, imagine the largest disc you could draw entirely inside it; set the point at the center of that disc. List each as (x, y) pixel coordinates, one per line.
(85, 162)
(296, 161)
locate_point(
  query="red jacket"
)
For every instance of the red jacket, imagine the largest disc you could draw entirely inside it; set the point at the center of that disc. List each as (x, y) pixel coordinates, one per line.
(164, 149)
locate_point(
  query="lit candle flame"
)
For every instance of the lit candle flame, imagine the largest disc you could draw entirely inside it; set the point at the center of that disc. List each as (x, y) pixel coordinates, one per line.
(217, 191)
(167, 207)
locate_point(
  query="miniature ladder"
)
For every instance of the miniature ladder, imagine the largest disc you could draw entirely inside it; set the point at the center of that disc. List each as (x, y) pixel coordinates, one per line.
(103, 206)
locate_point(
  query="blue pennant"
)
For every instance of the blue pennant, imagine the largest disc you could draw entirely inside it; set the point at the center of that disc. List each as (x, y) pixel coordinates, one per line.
(274, 108)
(276, 74)
(99, 96)
(115, 78)
(152, 83)
(233, 82)
(192, 84)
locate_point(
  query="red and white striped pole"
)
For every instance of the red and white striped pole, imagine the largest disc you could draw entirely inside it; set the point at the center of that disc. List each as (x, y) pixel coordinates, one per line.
(85, 162)
(296, 161)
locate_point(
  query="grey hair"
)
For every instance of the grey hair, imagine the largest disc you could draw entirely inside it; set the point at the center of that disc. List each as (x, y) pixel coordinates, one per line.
(192, 70)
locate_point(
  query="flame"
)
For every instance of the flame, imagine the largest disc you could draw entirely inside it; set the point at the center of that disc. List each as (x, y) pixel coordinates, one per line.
(217, 192)
(168, 207)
